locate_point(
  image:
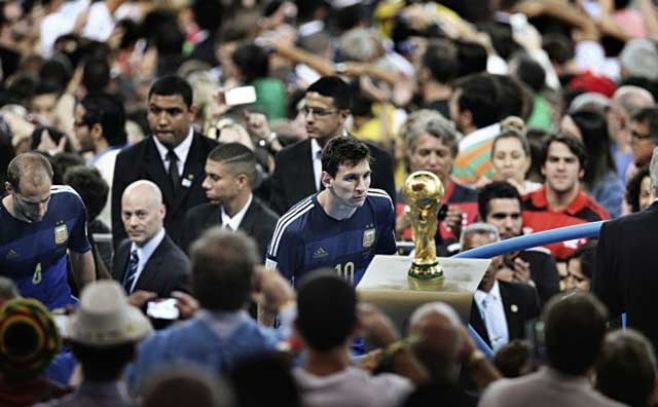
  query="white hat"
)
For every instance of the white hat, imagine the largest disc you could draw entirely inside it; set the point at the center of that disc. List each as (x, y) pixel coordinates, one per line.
(105, 318)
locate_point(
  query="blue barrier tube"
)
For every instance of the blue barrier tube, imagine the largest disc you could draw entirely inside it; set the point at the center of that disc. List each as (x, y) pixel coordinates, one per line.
(524, 242)
(536, 239)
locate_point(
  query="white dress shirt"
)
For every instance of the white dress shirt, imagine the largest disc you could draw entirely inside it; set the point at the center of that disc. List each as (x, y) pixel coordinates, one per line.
(144, 253)
(316, 159)
(181, 150)
(234, 222)
(492, 312)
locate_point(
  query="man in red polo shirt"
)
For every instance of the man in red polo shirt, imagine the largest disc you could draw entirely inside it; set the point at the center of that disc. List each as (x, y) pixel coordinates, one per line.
(560, 202)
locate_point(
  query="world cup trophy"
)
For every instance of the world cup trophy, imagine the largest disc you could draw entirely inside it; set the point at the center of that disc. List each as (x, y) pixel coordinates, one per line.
(423, 192)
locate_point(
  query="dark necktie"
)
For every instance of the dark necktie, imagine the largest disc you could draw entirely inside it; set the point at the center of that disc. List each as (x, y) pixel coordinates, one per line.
(173, 169)
(131, 272)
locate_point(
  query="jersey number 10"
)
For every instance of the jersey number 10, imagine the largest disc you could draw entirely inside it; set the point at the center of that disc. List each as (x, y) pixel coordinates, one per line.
(346, 271)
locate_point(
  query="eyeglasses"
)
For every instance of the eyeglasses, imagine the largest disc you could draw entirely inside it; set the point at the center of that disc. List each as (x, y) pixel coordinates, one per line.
(317, 112)
(639, 136)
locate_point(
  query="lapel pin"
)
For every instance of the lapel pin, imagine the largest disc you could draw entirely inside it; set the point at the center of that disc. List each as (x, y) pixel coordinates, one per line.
(514, 308)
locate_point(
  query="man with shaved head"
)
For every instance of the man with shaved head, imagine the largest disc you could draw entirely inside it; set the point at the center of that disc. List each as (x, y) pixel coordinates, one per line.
(148, 263)
(42, 226)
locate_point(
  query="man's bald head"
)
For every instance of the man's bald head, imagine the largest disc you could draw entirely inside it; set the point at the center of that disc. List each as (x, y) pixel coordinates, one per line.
(142, 211)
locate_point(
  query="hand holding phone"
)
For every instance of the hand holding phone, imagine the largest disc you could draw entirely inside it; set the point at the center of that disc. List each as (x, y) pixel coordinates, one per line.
(163, 309)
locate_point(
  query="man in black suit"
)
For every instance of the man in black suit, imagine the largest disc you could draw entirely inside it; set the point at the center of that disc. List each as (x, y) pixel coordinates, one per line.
(230, 174)
(500, 309)
(172, 157)
(298, 167)
(499, 204)
(148, 260)
(625, 277)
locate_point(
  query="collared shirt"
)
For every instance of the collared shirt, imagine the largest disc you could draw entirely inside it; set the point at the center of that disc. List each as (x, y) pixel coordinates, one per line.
(316, 158)
(492, 312)
(181, 150)
(235, 221)
(145, 252)
(474, 158)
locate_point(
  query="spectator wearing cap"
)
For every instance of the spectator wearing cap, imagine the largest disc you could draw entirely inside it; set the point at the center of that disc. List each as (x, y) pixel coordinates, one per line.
(29, 340)
(103, 335)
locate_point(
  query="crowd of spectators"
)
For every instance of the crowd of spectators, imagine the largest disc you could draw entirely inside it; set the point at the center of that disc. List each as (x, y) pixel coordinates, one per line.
(193, 189)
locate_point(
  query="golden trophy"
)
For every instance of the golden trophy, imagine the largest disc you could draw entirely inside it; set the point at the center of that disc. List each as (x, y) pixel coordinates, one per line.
(423, 192)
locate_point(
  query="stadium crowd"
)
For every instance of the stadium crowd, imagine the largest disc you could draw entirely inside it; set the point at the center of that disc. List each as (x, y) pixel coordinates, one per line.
(192, 191)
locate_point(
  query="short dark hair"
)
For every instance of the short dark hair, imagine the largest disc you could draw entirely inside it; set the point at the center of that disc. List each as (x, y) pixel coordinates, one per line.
(649, 115)
(28, 164)
(495, 190)
(252, 61)
(575, 326)
(480, 95)
(326, 310)
(239, 157)
(335, 88)
(586, 253)
(91, 187)
(633, 188)
(172, 85)
(96, 74)
(343, 150)
(440, 58)
(222, 269)
(108, 111)
(573, 144)
(472, 58)
(626, 370)
(103, 364)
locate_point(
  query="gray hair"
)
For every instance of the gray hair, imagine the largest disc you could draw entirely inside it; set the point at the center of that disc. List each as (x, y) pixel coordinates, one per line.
(479, 228)
(632, 98)
(433, 123)
(436, 307)
(8, 290)
(653, 171)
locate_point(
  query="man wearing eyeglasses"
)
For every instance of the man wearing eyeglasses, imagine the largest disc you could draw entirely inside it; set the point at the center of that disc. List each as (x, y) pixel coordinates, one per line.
(298, 169)
(41, 227)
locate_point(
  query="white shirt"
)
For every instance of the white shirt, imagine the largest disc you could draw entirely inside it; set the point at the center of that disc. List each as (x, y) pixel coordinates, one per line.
(144, 253)
(352, 387)
(235, 221)
(181, 150)
(492, 312)
(316, 159)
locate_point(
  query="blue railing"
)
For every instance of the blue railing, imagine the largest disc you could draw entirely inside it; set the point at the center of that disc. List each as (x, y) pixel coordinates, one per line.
(521, 243)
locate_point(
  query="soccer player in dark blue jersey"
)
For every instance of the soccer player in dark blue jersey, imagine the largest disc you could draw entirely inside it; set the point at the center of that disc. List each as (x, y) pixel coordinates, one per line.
(41, 227)
(341, 227)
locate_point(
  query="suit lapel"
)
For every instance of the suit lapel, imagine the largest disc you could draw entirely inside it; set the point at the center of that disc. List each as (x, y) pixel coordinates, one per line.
(478, 324)
(193, 169)
(511, 308)
(307, 181)
(156, 171)
(121, 263)
(249, 220)
(154, 263)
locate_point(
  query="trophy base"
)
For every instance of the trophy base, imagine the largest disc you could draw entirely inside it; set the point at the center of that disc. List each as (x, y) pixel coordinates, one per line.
(426, 271)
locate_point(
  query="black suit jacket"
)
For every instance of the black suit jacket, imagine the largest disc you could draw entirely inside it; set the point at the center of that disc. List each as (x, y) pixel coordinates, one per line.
(626, 272)
(258, 222)
(521, 305)
(142, 161)
(543, 272)
(293, 178)
(167, 270)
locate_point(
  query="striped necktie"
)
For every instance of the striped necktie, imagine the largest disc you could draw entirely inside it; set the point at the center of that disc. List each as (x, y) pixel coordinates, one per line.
(131, 272)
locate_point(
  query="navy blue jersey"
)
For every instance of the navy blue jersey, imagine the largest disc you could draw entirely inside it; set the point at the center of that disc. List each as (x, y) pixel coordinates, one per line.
(306, 238)
(34, 255)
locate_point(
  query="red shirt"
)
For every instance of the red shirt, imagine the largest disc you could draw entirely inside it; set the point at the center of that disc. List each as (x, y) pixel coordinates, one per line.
(537, 217)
